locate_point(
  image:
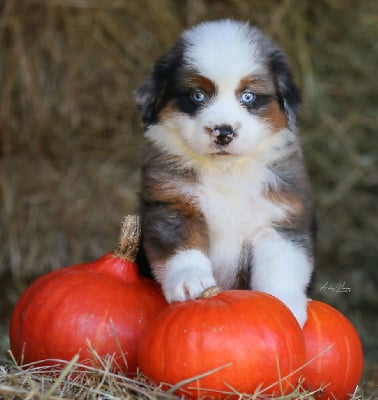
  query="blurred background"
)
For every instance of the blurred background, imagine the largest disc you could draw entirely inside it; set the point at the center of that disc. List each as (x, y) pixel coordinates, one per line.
(70, 134)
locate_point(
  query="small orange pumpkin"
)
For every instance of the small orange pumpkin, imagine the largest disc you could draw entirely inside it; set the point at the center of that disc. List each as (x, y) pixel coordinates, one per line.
(246, 338)
(334, 348)
(104, 303)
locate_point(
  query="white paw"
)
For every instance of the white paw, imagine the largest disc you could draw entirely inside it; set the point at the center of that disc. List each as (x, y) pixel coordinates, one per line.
(188, 274)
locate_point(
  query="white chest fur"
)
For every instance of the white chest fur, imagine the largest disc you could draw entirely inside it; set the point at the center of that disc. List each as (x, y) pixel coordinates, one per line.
(236, 211)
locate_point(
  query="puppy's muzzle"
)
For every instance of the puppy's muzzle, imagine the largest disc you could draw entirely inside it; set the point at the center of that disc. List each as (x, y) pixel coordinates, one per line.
(223, 134)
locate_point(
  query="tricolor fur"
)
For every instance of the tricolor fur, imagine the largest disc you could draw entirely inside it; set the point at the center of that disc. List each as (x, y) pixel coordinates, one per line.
(225, 195)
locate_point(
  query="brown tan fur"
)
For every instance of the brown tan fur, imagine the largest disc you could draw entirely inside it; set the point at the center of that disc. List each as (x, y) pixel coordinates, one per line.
(275, 116)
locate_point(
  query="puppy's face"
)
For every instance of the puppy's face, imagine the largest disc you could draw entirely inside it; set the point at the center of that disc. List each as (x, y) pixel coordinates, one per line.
(223, 89)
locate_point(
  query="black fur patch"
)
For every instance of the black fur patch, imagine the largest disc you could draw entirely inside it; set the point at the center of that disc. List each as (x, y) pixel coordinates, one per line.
(260, 101)
(157, 88)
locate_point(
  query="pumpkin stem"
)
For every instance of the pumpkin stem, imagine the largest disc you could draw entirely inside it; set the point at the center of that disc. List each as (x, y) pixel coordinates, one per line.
(210, 292)
(129, 238)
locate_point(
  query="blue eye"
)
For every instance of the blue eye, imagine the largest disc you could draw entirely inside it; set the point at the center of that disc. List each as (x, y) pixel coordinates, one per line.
(247, 97)
(198, 96)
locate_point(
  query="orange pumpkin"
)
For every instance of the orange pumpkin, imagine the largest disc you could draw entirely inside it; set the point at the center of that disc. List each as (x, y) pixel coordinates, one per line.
(246, 339)
(104, 304)
(333, 345)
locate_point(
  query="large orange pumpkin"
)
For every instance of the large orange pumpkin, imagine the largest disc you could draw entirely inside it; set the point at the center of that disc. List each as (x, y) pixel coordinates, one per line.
(247, 339)
(104, 304)
(333, 345)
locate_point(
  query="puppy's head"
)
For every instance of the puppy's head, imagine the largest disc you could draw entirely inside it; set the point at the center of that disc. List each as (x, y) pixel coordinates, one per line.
(222, 89)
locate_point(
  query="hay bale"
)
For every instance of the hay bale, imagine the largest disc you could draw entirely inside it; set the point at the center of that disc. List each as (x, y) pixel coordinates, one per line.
(70, 134)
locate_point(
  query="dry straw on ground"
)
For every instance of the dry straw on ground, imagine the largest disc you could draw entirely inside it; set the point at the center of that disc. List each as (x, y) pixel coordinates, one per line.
(70, 380)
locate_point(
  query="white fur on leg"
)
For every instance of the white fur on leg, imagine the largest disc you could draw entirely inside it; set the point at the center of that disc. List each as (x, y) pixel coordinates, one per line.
(188, 274)
(282, 268)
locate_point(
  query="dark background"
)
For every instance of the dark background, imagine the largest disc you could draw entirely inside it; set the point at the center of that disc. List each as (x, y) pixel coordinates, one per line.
(70, 134)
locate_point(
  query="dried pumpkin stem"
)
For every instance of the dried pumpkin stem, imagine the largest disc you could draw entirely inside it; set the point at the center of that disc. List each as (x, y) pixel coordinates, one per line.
(129, 238)
(210, 292)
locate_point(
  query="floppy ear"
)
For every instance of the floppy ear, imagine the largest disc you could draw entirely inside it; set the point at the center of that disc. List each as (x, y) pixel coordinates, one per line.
(152, 95)
(146, 97)
(287, 91)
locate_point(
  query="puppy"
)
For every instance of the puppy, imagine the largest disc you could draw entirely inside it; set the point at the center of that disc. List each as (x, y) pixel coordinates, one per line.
(225, 197)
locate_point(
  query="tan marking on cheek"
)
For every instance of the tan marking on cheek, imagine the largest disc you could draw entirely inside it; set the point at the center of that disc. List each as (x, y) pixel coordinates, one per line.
(274, 115)
(168, 111)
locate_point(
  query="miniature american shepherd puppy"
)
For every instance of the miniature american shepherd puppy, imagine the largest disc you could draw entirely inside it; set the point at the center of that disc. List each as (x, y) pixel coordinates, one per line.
(225, 197)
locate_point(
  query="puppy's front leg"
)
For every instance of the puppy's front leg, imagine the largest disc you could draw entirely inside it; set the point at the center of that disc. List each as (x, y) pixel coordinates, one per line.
(176, 246)
(188, 274)
(283, 267)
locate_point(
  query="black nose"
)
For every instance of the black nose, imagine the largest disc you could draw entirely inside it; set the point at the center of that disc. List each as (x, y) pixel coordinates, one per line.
(224, 134)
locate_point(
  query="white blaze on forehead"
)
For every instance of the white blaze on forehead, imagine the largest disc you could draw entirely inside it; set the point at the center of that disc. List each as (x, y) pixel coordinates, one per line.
(224, 49)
